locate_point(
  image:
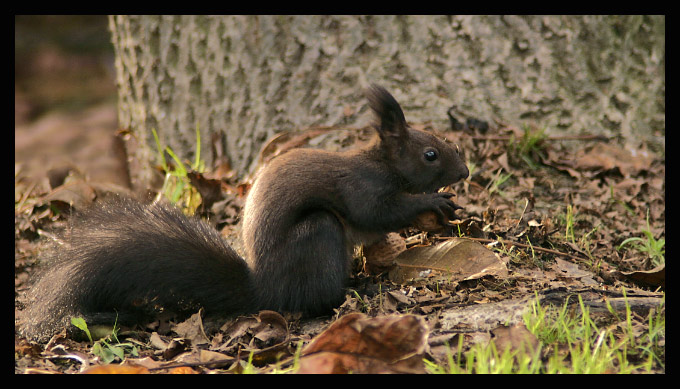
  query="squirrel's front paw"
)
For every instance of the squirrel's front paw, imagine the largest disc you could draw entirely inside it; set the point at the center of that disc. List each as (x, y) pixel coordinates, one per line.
(444, 209)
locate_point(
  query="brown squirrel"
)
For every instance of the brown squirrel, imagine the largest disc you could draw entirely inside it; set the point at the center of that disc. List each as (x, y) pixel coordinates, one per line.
(128, 261)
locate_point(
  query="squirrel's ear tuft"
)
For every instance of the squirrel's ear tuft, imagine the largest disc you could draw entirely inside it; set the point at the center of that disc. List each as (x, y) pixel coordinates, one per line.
(391, 120)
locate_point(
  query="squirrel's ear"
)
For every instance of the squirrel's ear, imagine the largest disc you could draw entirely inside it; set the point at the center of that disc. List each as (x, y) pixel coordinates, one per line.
(391, 120)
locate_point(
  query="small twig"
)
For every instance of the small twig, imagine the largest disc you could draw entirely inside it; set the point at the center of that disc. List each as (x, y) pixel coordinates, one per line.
(194, 364)
(526, 246)
(565, 137)
(523, 212)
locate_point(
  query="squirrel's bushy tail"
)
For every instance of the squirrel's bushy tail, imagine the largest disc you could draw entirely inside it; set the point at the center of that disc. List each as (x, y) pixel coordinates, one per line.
(123, 258)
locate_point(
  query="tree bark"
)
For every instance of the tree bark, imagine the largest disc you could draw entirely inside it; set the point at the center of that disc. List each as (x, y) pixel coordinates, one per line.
(246, 78)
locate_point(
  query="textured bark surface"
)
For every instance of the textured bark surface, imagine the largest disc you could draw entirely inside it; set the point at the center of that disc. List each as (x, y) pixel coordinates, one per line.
(249, 77)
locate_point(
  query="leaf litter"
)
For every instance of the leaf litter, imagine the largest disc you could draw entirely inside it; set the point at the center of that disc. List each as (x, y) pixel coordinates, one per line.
(543, 221)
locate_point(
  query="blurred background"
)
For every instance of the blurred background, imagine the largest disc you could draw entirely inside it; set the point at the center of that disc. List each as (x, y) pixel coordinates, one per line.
(64, 94)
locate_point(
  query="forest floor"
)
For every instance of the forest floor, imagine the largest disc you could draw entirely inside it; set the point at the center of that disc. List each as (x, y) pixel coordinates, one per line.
(544, 222)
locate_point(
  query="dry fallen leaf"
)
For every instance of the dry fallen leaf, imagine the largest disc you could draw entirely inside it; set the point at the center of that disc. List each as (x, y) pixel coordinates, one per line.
(454, 259)
(76, 193)
(359, 344)
(182, 370)
(571, 270)
(209, 188)
(515, 338)
(606, 157)
(266, 334)
(116, 369)
(177, 346)
(654, 278)
(192, 329)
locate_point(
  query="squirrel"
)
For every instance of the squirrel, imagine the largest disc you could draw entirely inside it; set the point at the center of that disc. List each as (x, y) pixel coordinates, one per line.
(127, 261)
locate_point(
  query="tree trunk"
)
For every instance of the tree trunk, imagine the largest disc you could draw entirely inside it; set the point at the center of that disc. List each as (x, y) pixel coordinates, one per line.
(245, 78)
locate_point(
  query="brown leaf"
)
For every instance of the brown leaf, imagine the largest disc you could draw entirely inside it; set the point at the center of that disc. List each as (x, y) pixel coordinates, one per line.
(266, 332)
(116, 369)
(271, 328)
(176, 347)
(77, 193)
(571, 270)
(503, 161)
(455, 259)
(217, 359)
(157, 342)
(359, 344)
(605, 157)
(182, 370)
(192, 329)
(515, 338)
(209, 189)
(654, 278)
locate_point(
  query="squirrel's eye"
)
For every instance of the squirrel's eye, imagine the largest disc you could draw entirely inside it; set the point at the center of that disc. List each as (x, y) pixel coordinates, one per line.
(431, 155)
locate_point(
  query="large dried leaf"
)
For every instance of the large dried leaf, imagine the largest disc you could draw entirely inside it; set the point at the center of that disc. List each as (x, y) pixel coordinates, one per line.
(455, 259)
(359, 344)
